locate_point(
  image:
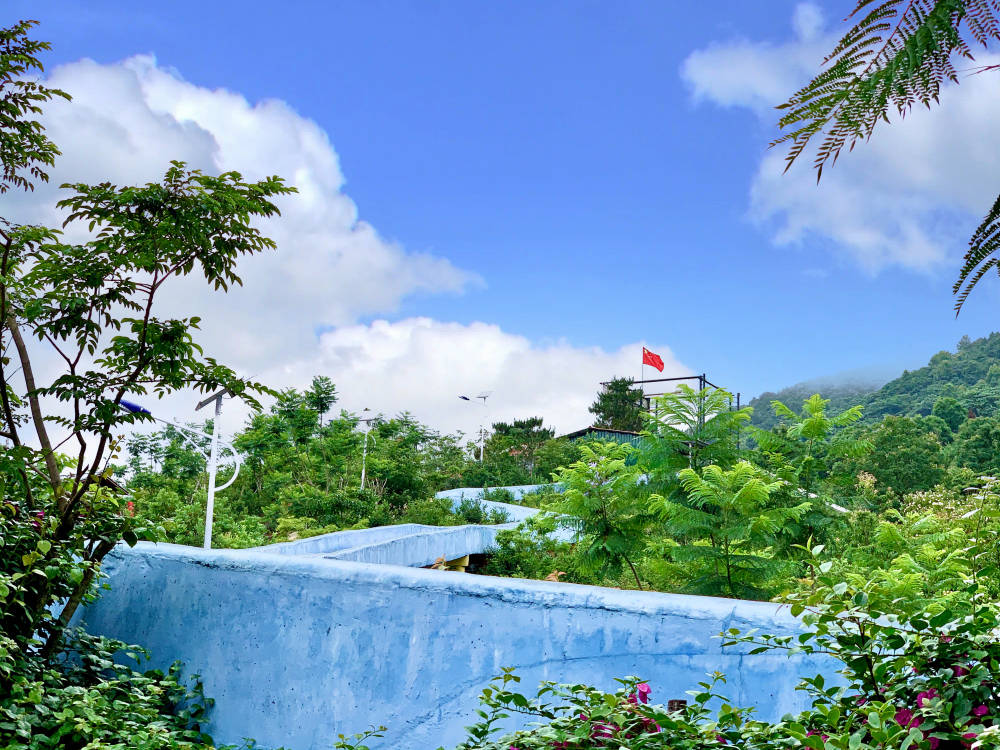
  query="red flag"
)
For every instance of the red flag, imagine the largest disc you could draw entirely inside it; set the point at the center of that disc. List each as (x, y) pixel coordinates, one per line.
(648, 358)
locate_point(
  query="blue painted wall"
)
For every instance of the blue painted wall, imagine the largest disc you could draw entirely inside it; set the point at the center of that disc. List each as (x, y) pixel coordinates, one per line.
(296, 647)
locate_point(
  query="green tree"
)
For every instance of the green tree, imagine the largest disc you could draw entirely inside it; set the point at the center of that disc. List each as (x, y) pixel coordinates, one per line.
(600, 503)
(952, 412)
(516, 445)
(321, 395)
(69, 299)
(977, 445)
(905, 457)
(618, 406)
(79, 329)
(810, 442)
(692, 429)
(726, 527)
(896, 55)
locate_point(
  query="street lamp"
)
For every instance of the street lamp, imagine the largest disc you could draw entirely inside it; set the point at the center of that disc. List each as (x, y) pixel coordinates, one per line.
(482, 430)
(212, 457)
(364, 451)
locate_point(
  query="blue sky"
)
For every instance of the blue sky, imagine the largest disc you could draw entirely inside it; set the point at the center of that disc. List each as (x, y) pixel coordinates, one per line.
(556, 150)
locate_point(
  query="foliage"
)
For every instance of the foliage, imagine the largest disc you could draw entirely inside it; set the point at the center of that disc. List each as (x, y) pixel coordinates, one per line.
(690, 429)
(92, 699)
(970, 376)
(922, 678)
(531, 551)
(977, 445)
(24, 147)
(841, 395)
(579, 717)
(905, 457)
(896, 55)
(439, 511)
(951, 411)
(618, 406)
(600, 504)
(321, 395)
(922, 675)
(725, 527)
(301, 477)
(805, 444)
(523, 452)
(79, 332)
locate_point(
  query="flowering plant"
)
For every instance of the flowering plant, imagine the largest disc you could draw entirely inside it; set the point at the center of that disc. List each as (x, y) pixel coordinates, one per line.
(923, 677)
(926, 677)
(574, 717)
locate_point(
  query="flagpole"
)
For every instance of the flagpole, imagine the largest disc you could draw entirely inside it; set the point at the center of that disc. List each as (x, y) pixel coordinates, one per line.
(642, 386)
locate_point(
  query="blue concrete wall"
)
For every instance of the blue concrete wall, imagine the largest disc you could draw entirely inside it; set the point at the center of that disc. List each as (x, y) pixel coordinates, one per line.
(296, 647)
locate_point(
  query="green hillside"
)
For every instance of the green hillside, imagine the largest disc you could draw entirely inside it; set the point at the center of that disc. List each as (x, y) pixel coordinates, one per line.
(971, 375)
(842, 395)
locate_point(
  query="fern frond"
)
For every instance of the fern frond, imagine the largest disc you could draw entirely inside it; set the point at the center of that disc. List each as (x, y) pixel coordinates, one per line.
(980, 258)
(895, 56)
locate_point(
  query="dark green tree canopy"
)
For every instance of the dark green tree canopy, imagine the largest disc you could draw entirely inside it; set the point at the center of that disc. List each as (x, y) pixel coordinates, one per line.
(618, 406)
(951, 411)
(321, 395)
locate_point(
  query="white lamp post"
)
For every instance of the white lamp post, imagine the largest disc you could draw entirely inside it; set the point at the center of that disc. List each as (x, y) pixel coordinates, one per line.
(482, 429)
(212, 457)
(364, 451)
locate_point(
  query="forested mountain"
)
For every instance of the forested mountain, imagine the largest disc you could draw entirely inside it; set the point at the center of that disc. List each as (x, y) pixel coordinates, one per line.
(970, 375)
(842, 395)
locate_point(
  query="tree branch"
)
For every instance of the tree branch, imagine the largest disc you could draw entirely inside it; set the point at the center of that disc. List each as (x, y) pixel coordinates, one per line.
(35, 407)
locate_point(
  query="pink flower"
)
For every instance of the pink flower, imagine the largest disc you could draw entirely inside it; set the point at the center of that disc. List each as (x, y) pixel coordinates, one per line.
(603, 731)
(933, 742)
(905, 718)
(925, 696)
(643, 690)
(824, 737)
(959, 671)
(980, 710)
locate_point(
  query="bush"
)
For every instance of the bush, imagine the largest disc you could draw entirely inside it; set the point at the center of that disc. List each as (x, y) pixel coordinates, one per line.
(924, 677)
(90, 699)
(440, 511)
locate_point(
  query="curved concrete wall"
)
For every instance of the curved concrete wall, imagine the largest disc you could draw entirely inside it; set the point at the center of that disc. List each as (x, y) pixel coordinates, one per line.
(296, 648)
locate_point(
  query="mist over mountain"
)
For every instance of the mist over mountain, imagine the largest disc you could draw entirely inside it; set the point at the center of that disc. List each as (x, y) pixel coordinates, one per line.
(970, 374)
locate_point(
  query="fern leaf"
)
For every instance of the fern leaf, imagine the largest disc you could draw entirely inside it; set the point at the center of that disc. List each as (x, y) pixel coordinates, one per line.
(981, 256)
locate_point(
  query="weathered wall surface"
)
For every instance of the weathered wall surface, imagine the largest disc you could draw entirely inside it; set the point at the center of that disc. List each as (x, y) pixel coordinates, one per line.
(296, 648)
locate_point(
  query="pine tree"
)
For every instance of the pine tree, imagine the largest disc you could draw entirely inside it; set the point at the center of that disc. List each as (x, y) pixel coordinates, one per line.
(618, 406)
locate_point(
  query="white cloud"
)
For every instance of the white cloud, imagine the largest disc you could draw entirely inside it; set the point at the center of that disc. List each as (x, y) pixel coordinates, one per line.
(331, 268)
(125, 123)
(908, 198)
(423, 365)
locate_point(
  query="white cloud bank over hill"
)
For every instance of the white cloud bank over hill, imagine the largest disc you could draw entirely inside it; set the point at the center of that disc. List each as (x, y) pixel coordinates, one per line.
(331, 268)
(908, 198)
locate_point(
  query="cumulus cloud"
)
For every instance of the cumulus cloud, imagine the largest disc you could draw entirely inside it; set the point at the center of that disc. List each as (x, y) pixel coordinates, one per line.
(331, 269)
(125, 123)
(423, 365)
(908, 198)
